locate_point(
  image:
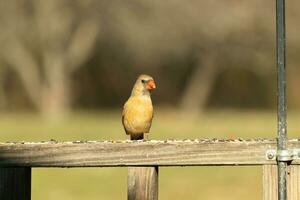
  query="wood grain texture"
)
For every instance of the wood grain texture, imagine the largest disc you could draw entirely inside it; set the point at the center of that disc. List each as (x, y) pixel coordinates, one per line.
(293, 182)
(270, 184)
(15, 183)
(143, 183)
(139, 153)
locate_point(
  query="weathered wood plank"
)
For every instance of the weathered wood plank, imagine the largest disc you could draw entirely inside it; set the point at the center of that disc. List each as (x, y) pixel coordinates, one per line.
(143, 183)
(139, 153)
(293, 182)
(15, 183)
(270, 184)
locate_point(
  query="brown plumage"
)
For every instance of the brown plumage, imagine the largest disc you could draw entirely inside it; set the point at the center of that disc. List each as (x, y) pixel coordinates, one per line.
(138, 110)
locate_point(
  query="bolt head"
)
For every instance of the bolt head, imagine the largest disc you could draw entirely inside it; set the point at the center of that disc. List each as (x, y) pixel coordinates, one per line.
(270, 155)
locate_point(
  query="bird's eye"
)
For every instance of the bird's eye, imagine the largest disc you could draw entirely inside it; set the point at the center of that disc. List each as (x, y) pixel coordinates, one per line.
(144, 81)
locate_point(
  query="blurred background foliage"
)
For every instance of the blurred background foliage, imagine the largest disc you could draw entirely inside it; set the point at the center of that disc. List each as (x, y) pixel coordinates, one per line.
(62, 55)
(77, 60)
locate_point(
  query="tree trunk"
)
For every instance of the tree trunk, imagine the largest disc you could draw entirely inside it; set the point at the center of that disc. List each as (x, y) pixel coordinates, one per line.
(199, 87)
(293, 89)
(3, 98)
(55, 101)
(55, 96)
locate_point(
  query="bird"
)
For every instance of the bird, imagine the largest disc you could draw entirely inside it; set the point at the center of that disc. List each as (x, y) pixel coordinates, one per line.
(137, 112)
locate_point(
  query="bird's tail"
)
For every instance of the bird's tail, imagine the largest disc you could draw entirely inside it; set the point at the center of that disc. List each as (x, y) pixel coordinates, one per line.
(137, 136)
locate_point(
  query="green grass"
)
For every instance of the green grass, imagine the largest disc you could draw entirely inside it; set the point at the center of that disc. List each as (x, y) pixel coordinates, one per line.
(205, 183)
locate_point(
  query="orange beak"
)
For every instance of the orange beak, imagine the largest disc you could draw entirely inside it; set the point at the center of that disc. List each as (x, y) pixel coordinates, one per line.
(150, 85)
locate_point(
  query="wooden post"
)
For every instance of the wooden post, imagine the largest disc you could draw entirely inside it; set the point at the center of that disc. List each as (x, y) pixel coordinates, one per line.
(270, 183)
(142, 182)
(15, 183)
(293, 182)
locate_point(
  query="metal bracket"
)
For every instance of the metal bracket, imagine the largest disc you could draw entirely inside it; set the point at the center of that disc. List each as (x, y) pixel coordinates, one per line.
(283, 155)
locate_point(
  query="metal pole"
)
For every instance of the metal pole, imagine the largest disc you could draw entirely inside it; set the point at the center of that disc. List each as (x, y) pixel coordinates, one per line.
(281, 96)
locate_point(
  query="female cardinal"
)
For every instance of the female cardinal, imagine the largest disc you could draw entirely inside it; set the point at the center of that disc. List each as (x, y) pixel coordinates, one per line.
(138, 110)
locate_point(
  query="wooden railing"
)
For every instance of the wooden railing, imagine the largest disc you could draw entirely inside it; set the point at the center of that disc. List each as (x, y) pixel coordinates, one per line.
(17, 159)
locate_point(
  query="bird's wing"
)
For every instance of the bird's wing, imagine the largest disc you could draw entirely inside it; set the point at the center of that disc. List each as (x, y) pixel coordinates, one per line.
(123, 115)
(149, 124)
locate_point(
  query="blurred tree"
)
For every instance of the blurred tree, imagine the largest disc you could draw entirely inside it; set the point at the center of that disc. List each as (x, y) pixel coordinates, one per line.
(3, 98)
(185, 45)
(199, 86)
(44, 42)
(216, 32)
